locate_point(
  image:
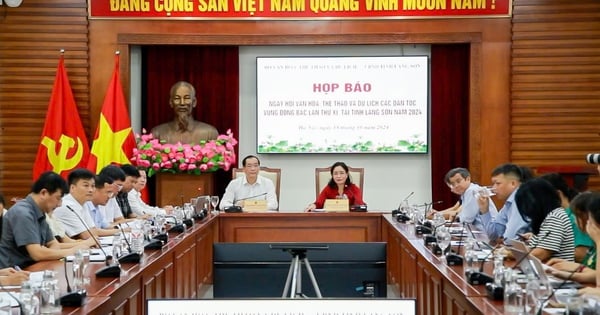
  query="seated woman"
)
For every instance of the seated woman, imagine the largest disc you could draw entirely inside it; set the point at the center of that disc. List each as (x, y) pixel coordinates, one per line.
(540, 206)
(583, 243)
(339, 187)
(592, 227)
(584, 272)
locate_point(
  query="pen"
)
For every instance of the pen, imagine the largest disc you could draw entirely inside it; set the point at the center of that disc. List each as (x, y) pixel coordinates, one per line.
(17, 268)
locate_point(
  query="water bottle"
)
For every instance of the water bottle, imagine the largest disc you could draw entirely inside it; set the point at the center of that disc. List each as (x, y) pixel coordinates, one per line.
(513, 294)
(116, 246)
(31, 303)
(50, 294)
(498, 273)
(470, 256)
(137, 241)
(78, 271)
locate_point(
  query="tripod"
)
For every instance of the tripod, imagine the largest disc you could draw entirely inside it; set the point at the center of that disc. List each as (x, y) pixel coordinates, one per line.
(294, 277)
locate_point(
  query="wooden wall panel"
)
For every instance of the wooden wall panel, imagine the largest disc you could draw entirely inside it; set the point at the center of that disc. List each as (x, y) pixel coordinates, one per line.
(31, 37)
(555, 114)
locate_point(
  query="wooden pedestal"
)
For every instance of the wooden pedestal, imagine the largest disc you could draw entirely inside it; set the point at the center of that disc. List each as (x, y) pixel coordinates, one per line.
(176, 189)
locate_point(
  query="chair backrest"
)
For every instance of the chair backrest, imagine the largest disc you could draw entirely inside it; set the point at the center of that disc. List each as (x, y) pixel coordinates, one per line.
(274, 174)
(323, 175)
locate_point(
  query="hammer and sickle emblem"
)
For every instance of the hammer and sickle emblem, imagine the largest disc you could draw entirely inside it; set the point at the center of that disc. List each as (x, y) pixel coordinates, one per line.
(59, 161)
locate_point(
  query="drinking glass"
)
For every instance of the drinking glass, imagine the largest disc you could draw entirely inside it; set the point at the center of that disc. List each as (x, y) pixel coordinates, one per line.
(438, 219)
(214, 201)
(543, 292)
(443, 237)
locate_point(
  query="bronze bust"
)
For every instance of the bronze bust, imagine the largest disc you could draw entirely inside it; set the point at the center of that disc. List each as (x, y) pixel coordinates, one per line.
(184, 128)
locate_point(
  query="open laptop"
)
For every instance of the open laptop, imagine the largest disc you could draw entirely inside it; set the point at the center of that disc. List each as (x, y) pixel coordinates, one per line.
(531, 264)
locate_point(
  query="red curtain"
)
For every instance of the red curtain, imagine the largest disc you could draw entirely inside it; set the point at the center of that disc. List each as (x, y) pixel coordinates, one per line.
(449, 116)
(212, 70)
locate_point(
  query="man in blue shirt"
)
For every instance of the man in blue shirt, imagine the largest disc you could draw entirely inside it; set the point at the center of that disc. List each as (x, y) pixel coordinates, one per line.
(506, 180)
(459, 181)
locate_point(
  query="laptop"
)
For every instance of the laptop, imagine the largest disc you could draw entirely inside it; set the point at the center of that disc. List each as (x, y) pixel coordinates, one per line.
(531, 264)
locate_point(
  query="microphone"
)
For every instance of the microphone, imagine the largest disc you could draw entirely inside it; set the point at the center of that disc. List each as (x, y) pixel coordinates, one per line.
(71, 298)
(130, 257)
(479, 277)
(400, 214)
(110, 271)
(430, 238)
(455, 259)
(263, 194)
(178, 227)
(153, 243)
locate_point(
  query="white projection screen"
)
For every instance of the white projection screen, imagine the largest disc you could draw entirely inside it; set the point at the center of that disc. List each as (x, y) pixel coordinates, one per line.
(373, 104)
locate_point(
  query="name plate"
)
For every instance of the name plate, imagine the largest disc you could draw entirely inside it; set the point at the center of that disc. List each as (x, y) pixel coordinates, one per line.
(255, 205)
(337, 205)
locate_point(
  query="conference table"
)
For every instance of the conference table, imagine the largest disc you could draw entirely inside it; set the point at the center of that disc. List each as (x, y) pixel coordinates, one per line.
(183, 268)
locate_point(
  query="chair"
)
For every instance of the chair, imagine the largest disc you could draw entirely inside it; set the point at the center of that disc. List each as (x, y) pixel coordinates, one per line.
(323, 175)
(274, 174)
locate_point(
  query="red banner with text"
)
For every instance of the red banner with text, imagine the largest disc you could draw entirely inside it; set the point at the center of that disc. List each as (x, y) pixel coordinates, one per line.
(296, 9)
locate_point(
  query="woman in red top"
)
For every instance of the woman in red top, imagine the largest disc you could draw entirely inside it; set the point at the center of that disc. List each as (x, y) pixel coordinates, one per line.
(339, 187)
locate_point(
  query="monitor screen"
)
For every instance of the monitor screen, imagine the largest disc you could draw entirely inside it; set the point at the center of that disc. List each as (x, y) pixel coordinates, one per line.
(373, 104)
(351, 270)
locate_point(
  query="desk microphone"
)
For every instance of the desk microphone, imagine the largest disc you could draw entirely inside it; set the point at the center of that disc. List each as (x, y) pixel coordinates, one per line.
(110, 271)
(430, 238)
(518, 263)
(178, 227)
(400, 214)
(479, 277)
(71, 298)
(130, 257)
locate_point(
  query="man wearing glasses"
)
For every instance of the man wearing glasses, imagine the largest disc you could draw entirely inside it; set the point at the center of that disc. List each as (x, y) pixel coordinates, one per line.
(184, 128)
(105, 190)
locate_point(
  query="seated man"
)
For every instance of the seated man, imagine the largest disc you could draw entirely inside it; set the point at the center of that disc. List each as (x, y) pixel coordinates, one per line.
(459, 181)
(75, 219)
(26, 236)
(506, 180)
(251, 186)
(131, 176)
(138, 206)
(112, 212)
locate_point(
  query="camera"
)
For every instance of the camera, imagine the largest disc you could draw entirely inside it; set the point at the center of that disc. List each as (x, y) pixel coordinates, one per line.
(593, 158)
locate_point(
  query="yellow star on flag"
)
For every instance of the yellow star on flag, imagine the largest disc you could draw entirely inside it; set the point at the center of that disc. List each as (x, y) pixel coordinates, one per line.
(108, 147)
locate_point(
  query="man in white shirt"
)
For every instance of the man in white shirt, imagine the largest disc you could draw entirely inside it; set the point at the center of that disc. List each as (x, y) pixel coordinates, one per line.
(138, 206)
(112, 212)
(251, 186)
(76, 220)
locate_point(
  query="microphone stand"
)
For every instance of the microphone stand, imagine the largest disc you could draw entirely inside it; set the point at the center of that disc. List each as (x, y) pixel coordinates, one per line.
(71, 298)
(130, 257)
(479, 277)
(109, 271)
(178, 227)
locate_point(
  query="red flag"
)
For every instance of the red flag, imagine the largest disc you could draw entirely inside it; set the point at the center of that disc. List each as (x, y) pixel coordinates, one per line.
(63, 145)
(113, 141)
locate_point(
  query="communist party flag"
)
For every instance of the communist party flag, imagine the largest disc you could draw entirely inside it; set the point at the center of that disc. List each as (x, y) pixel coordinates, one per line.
(63, 145)
(113, 141)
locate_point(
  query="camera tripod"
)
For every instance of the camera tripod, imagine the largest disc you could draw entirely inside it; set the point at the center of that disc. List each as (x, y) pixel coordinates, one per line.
(293, 283)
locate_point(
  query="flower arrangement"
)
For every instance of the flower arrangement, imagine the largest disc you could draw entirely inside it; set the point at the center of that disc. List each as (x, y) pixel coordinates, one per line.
(156, 156)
